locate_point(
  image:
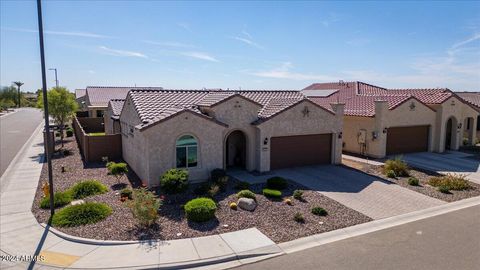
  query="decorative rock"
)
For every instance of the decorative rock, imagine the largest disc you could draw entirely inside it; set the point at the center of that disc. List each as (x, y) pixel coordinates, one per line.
(321, 222)
(247, 204)
(225, 225)
(179, 234)
(77, 202)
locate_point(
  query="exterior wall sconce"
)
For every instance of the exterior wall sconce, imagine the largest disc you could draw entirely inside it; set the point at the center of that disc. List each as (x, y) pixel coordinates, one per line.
(374, 135)
(459, 126)
(384, 131)
(340, 135)
(265, 141)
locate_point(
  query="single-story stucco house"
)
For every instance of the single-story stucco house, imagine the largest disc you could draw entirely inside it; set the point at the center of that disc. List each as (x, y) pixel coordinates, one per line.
(112, 116)
(96, 98)
(201, 130)
(473, 98)
(380, 121)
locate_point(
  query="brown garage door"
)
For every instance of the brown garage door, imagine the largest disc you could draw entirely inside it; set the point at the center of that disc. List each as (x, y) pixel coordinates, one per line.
(407, 139)
(291, 151)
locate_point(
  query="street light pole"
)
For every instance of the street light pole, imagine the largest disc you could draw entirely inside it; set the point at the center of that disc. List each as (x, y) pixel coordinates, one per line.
(18, 84)
(56, 79)
(45, 108)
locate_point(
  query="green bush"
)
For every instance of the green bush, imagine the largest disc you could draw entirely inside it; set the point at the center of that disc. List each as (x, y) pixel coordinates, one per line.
(69, 132)
(272, 193)
(81, 214)
(277, 182)
(246, 194)
(200, 209)
(87, 188)
(450, 182)
(413, 181)
(59, 199)
(144, 206)
(319, 211)
(298, 217)
(391, 174)
(126, 192)
(242, 185)
(117, 169)
(443, 189)
(397, 165)
(298, 194)
(174, 181)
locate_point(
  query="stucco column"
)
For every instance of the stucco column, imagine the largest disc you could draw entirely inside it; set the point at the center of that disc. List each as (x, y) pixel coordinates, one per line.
(440, 122)
(474, 130)
(337, 134)
(381, 114)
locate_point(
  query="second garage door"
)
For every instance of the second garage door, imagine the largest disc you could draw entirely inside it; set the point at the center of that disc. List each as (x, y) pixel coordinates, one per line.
(407, 139)
(303, 150)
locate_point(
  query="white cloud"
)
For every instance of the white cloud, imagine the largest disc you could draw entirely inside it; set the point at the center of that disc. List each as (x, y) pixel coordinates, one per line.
(283, 72)
(59, 33)
(201, 56)
(116, 52)
(330, 19)
(169, 44)
(476, 36)
(246, 38)
(185, 26)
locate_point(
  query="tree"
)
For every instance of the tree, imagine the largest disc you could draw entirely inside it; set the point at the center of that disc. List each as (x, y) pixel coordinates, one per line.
(61, 106)
(117, 169)
(8, 97)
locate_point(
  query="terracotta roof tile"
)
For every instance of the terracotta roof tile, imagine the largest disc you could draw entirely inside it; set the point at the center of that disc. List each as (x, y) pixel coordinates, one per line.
(80, 93)
(426, 95)
(472, 98)
(99, 96)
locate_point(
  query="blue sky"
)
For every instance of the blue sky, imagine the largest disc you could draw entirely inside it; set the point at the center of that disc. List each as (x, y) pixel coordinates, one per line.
(248, 45)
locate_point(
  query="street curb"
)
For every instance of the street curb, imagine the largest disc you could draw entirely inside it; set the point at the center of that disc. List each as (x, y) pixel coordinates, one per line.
(373, 226)
(20, 153)
(5, 115)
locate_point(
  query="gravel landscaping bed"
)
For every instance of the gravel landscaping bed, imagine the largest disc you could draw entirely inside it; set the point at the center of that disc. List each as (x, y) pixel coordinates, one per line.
(273, 218)
(423, 187)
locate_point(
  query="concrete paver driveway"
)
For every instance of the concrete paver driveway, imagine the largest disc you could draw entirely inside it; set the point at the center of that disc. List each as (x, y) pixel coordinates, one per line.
(449, 162)
(366, 194)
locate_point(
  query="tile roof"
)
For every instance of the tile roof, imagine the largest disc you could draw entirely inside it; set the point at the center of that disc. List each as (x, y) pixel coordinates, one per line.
(80, 93)
(426, 95)
(99, 96)
(472, 98)
(117, 106)
(153, 106)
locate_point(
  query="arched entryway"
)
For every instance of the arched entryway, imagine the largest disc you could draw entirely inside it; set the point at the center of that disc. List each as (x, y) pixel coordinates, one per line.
(451, 133)
(236, 150)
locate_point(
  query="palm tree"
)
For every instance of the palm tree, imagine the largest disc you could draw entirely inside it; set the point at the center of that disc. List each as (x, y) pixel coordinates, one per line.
(18, 84)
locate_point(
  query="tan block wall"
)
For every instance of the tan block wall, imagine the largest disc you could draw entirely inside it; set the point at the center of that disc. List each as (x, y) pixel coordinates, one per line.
(351, 128)
(293, 122)
(108, 121)
(161, 150)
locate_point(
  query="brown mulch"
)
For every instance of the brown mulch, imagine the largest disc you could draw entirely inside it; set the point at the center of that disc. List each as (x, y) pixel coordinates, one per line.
(273, 218)
(423, 176)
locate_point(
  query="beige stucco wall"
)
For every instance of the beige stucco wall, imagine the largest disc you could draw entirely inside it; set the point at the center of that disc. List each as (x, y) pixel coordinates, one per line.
(294, 122)
(108, 121)
(351, 128)
(161, 139)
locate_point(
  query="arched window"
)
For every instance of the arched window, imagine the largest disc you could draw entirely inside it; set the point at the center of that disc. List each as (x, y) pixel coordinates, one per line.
(186, 149)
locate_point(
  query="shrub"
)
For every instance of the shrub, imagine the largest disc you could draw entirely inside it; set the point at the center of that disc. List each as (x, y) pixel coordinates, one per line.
(144, 206)
(277, 182)
(413, 181)
(391, 174)
(233, 206)
(213, 190)
(126, 192)
(246, 194)
(59, 199)
(319, 211)
(298, 194)
(200, 209)
(298, 217)
(450, 182)
(397, 165)
(272, 193)
(174, 181)
(117, 169)
(216, 174)
(288, 201)
(87, 188)
(81, 214)
(443, 189)
(202, 189)
(69, 132)
(242, 185)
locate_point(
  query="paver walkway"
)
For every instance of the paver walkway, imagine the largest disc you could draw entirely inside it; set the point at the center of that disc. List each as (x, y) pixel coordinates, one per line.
(21, 235)
(449, 162)
(366, 194)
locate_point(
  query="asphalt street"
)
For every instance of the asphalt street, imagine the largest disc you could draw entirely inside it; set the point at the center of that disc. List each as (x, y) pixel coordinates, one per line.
(15, 130)
(448, 241)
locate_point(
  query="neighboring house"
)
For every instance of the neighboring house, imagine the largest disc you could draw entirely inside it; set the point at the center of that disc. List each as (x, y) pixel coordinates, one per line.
(97, 97)
(380, 121)
(200, 130)
(80, 98)
(112, 116)
(473, 98)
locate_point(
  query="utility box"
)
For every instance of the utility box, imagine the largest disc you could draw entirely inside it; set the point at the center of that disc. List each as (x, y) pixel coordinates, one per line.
(52, 141)
(362, 136)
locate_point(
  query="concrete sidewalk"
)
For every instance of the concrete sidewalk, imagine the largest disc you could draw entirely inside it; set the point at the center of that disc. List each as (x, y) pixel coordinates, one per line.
(21, 235)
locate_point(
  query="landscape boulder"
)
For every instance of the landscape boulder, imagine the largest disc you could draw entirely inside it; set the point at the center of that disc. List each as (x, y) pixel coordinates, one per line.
(247, 204)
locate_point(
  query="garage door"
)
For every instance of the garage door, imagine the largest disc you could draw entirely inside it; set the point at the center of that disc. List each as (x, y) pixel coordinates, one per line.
(407, 139)
(291, 151)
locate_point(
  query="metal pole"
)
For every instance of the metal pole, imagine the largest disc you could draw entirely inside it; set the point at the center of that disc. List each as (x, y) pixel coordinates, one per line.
(56, 79)
(45, 106)
(19, 96)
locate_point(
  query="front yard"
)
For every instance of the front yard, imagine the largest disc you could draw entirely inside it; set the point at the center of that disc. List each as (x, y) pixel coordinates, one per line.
(276, 218)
